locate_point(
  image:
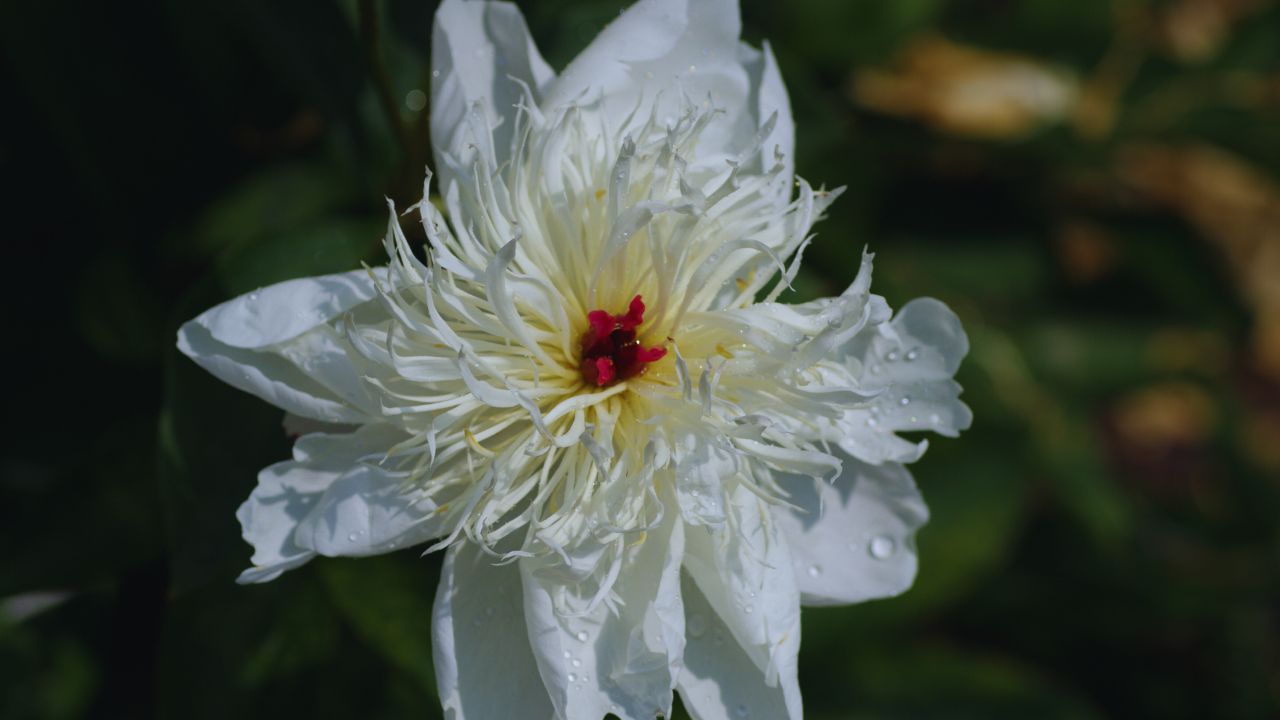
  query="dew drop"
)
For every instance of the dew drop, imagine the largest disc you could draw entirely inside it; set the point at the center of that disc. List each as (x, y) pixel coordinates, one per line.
(742, 711)
(875, 369)
(905, 401)
(351, 537)
(912, 354)
(935, 418)
(882, 547)
(573, 677)
(415, 100)
(697, 625)
(815, 570)
(891, 356)
(582, 636)
(435, 73)
(567, 654)
(749, 609)
(576, 662)
(872, 422)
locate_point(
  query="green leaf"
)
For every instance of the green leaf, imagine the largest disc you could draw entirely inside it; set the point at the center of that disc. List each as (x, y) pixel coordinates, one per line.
(274, 201)
(327, 245)
(927, 681)
(388, 601)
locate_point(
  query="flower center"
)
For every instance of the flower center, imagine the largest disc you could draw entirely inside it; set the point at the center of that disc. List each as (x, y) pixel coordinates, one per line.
(610, 351)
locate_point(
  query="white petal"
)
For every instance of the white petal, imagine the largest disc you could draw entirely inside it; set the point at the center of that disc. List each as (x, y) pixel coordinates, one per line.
(274, 343)
(287, 492)
(369, 509)
(769, 98)
(622, 661)
(909, 362)
(925, 341)
(719, 681)
(285, 310)
(479, 52)
(659, 50)
(745, 572)
(854, 539)
(484, 667)
(700, 468)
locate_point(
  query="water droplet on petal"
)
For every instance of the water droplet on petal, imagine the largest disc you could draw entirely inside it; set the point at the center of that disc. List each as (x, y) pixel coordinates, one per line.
(567, 654)
(912, 354)
(573, 677)
(891, 356)
(875, 369)
(872, 422)
(742, 711)
(576, 662)
(935, 418)
(582, 636)
(749, 609)
(815, 570)
(351, 537)
(882, 547)
(435, 73)
(905, 401)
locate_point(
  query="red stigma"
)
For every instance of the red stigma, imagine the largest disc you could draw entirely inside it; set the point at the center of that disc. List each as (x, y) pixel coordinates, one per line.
(610, 350)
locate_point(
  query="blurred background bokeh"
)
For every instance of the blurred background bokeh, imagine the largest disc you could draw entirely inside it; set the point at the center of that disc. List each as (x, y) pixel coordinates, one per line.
(1093, 186)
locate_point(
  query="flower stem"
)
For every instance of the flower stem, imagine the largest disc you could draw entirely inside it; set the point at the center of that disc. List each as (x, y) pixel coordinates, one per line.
(370, 34)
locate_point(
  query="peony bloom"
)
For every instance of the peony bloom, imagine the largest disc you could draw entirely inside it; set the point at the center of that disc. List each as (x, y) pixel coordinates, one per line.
(638, 461)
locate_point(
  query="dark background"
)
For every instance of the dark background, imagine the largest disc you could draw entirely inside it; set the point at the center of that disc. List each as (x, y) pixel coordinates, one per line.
(1093, 186)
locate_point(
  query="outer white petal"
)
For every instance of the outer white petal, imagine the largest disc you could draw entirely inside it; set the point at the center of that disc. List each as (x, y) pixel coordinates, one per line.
(744, 570)
(287, 492)
(719, 680)
(769, 98)
(369, 509)
(658, 50)
(274, 343)
(623, 661)
(481, 52)
(484, 667)
(853, 539)
(910, 362)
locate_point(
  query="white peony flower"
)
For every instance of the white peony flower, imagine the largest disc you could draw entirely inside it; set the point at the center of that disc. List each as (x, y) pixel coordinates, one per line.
(639, 462)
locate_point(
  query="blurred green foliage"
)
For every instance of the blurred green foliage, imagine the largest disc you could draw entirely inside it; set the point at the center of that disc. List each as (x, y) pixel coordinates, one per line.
(1105, 541)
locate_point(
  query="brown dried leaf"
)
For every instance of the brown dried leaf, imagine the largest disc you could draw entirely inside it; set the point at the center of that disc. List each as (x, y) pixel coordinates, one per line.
(967, 91)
